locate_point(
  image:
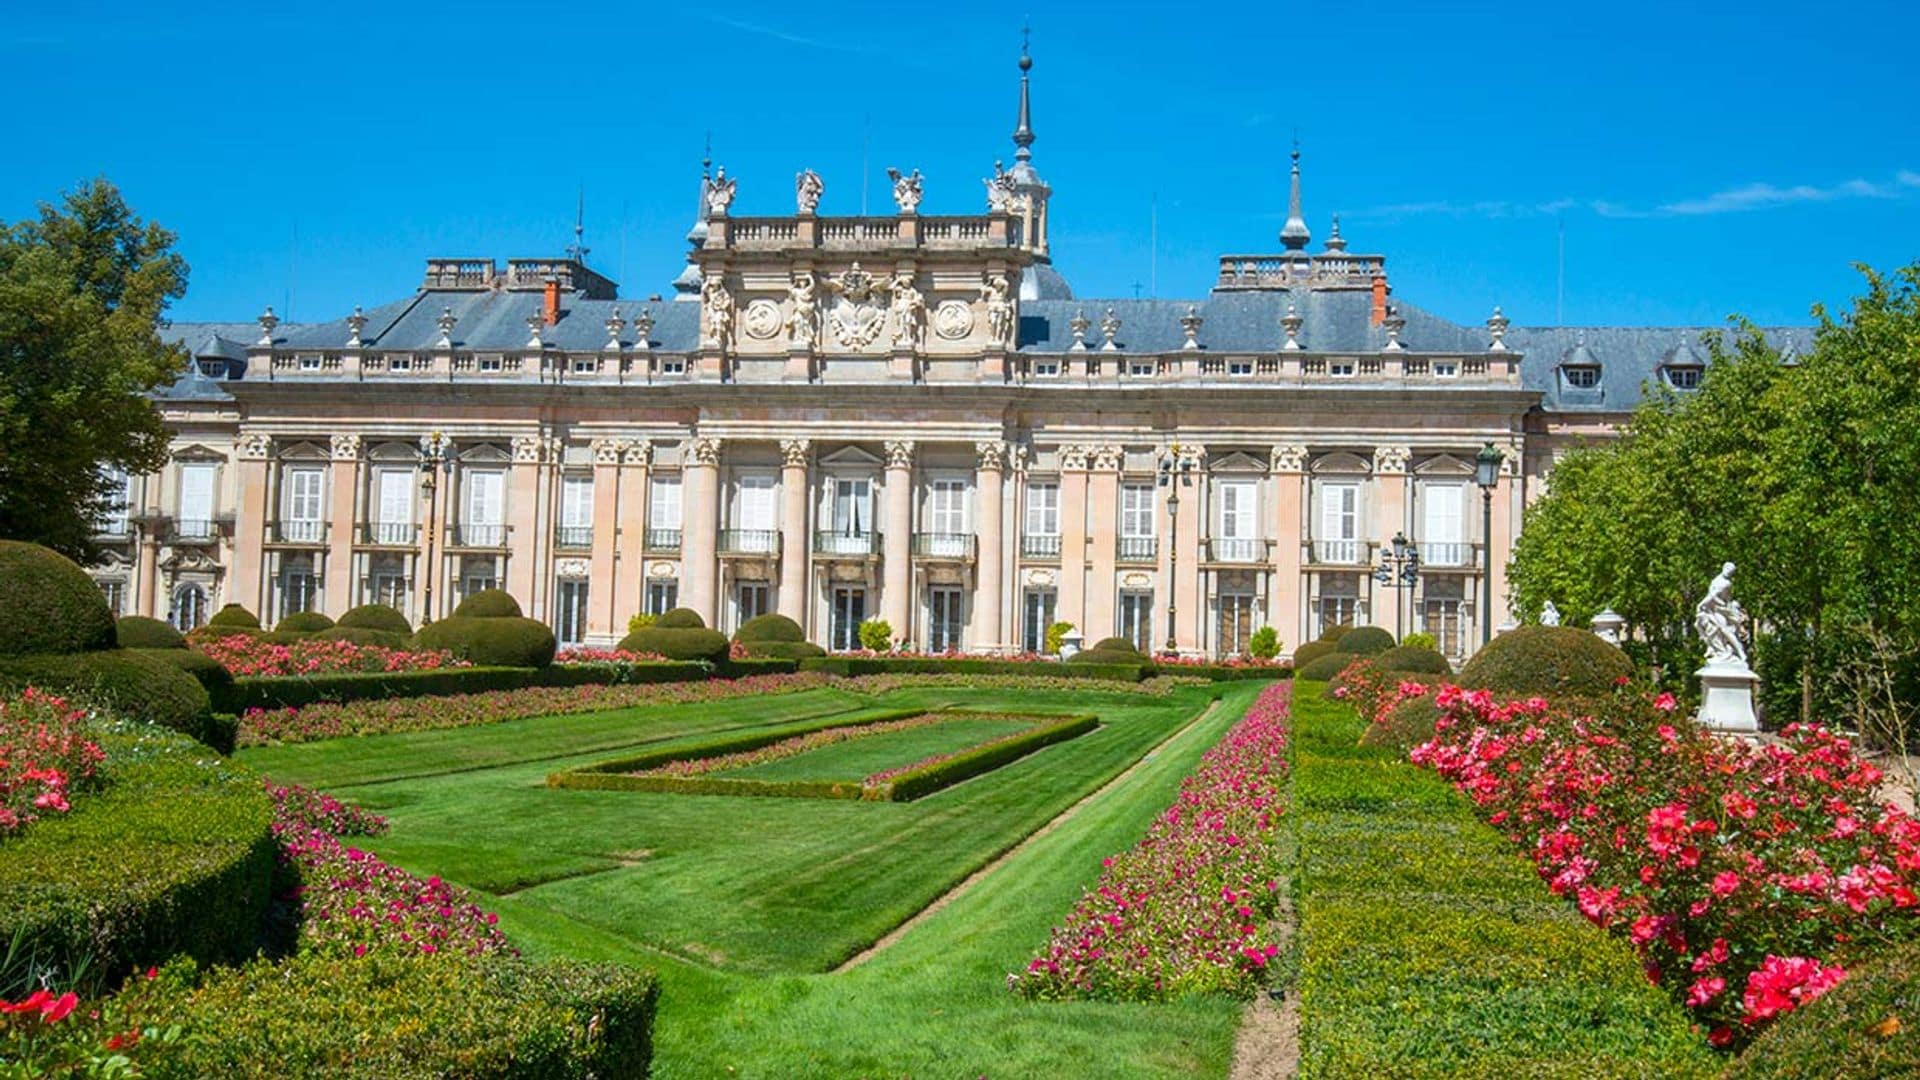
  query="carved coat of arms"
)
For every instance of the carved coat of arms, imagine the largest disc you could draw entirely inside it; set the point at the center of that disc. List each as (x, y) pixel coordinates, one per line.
(859, 313)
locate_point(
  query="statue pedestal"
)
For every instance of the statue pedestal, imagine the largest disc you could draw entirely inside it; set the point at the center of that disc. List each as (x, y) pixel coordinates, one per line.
(1726, 697)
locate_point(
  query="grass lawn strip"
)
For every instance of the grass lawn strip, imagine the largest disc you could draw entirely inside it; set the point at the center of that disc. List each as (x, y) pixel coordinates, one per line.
(858, 759)
(1429, 948)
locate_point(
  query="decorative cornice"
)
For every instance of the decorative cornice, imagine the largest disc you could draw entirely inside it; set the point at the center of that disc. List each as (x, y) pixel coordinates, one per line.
(529, 449)
(900, 453)
(990, 455)
(1107, 458)
(795, 452)
(1391, 459)
(1073, 458)
(1290, 458)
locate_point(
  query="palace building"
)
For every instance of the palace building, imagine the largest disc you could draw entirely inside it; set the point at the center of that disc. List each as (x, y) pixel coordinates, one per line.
(906, 416)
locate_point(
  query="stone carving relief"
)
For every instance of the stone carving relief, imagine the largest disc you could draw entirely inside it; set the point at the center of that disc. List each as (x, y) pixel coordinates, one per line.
(720, 191)
(803, 320)
(953, 319)
(255, 445)
(1107, 457)
(857, 316)
(528, 449)
(761, 319)
(704, 450)
(793, 452)
(572, 568)
(638, 452)
(716, 307)
(990, 455)
(1290, 459)
(345, 447)
(909, 312)
(807, 189)
(1391, 459)
(1073, 458)
(907, 190)
(900, 453)
(607, 451)
(998, 297)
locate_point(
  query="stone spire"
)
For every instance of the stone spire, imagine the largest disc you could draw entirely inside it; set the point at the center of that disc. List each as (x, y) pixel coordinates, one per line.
(1294, 234)
(687, 285)
(1023, 129)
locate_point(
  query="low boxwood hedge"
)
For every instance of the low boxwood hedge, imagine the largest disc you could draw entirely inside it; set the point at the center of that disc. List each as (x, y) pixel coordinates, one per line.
(294, 691)
(678, 643)
(407, 1016)
(1547, 660)
(48, 604)
(141, 632)
(723, 744)
(1403, 726)
(782, 650)
(1311, 651)
(1865, 1028)
(207, 671)
(1226, 672)
(129, 681)
(983, 759)
(1325, 667)
(756, 665)
(363, 635)
(174, 854)
(848, 666)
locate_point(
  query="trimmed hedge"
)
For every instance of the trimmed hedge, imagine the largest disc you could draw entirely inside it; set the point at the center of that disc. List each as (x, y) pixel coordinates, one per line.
(849, 666)
(768, 628)
(678, 643)
(366, 635)
(128, 681)
(1414, 659)
(205, 670)
(782, 650)
(983, 759)
(1332, 634)
(724, 744)
(1404, 726)
(1226, 672)
(1324, 668)
(175, 854)
(233, 615)
(294, 691)
(493, 640)
(1311, 651)
(1365, 641)
(374, 617)
(1867, 1027)
(1547, 660)
(489, 604)
(141, 632)
(48, 604)
(1113, 650)
(303, 623)
(680, 619)
(408, 1016)
(756, 665)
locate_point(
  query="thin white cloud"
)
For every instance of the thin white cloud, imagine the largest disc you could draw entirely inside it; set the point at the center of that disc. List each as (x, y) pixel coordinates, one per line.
(1747, 197)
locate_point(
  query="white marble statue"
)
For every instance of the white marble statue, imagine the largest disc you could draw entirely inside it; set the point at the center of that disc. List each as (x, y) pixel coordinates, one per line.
(907, 189)
(802, 321)
(998, 297)
(1718, 620)
(720, 191)
(909, 311)
(1549, 615)
(716, 303)
(807, 189)
(999, 190)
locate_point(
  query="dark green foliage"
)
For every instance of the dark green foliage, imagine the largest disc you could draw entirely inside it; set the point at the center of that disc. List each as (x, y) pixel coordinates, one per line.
(1264, 644)
(675, 644)
(723, 744)
(1863, 1029)
(1325, 667)
(492, 641)
(204, 669)
(293, 691)
(750, 666)
(1226, 672)
(1311, 651)
(488, 604)
(982, 759)
(1546, 660)
(375, 617)
(1365, 641)
(1332, 634)
(174, 854)
(1404, 726)
(783, 650)
(303, 623)
(680, 619)
(1109, 651)
(366, 635)
(236, 616)
(932, 665)
(130, 682)
(1414, 659)
(1115, 644)
(141, 632)
(770, 627)
(404, 1016)
(48, 604)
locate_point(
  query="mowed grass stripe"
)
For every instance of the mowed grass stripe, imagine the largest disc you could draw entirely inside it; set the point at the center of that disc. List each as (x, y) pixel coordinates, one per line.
(859, 758)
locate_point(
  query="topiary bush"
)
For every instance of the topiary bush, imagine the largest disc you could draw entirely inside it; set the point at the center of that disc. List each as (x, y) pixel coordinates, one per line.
(1365, 641)
(769, 627)
(303, 623)
(876, 635)
(1403, 726)
(130, 682)
(1332, 634)
(233, 615)
(692, 643)
(374, 617)
(1113, 650)
(1865, 1028)
(141, 632)
(205, 670)
(366, 635)
(489, 604)
(48, 604)
(680, 619)
(1311, 651)
(1546, 660)
(1323, 668)
(492, 641)
(1413, 658)
(1264, 644)
(782, 650)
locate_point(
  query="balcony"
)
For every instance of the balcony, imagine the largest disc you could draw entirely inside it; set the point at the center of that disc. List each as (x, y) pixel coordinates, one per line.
(1137, 549)
(1448, 554)
(194, 531)
(847, 544)
(476, 536)
(1039, 547)
(390, 534)
(1339, 552)
(662, 541)
(1236, 550)
(949, 547)
(749, 542)
(573, 537)
(299, 533)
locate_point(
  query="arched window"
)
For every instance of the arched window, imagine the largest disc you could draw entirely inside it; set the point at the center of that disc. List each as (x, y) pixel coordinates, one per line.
(189, 607)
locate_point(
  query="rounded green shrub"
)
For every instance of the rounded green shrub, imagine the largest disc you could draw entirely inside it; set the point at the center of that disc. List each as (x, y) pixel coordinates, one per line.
(769, 627)
(1113, 644)
(783, 650)
(205, 670)
(488, 604)
(1325, 667)
(303, 622)
(690, 643)
(1412, 658)
(1311, 651)
(496, 641)
(680, 619)
(234, 615)
(141, 632)
(364, 635)
(375, 617)
(1365, 641)
(175, 854)
(130, 682)
(1404, 726)
(1546, 660)
(210, 632)
(1333, 634)
(48, 604)
(1867, 1027)
(1264, 644)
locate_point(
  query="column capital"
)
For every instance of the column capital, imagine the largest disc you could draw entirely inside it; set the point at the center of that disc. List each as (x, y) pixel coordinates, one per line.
(1391, 459)
(529, 449)
(254, 446)
(990, 455)
(608, 451)
(1107, 458)
(1073, 457)
(637, 452)
(703, 450)
(795, 452)
(900, 453)
(345, 447)
(1290, 458)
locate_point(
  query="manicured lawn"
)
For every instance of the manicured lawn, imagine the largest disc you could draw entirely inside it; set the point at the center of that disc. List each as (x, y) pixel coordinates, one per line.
(857, 759)
(1430, 948)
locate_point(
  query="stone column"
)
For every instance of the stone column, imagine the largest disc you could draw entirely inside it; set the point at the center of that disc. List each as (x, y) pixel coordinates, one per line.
(345, 484)
(523, 521)
(1103, 529)
(1289, 502)
(1191, 614)
(796, 544)
(699, 537)
(1072, 606)
(603, 589)
(896, 590)
(250, 512)
(631, 570)
(1506, 512)
(989, 481)
(146, 582)
(1389, 514)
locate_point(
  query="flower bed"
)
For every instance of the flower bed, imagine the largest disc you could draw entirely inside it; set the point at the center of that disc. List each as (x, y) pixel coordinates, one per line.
(45, 755)
(329, 720)
(251, 657)
(1189, 908)
(295, 805)
(1159, 686)
(1746, 877)
(581, 654)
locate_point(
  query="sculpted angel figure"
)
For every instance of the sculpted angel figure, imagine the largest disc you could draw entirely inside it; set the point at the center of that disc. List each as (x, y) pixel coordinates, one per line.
(720, 192)
(1718, 619)
(999, 189)
(802, 321)
(909, 311)
(999, 301)
(716, 303)
(807, 189)
(906, 190)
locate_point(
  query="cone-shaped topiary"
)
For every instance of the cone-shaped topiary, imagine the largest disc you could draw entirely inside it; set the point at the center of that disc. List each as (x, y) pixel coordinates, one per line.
(233, 615)
(375, 617)
(769, 628)
(680, 619)
(1410, 658)
(303, 622)
(1365, 641)
(1546, 660)
(48, 604)
(141, 632)
(489, 604)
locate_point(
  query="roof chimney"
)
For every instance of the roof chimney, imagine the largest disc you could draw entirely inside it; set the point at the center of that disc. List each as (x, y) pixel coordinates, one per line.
(551, 310)
(1379, 300)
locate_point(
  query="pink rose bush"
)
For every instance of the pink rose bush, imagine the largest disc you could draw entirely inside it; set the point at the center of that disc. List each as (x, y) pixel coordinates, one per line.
(582, 654)
(250, 657)
(45, 757)
(1746, 876)
(1189, 908)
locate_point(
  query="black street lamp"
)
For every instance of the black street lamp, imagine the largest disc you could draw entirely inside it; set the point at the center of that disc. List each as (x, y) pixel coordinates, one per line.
(1486, 473)
(1399, 569)
(434, 462)
(1176, 472)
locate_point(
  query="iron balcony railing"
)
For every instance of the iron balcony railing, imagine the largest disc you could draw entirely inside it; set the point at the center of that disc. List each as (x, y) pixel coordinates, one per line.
(390, 533)
(938, 545)
(299, 532)
(193, 528)
(573, 536)
(830, 542)
(1446, 553)
(476, 536)
(1236, 550)
(662, 540)
(1035, 546)
(1137, 548)
(1339, 552)
(749, 541)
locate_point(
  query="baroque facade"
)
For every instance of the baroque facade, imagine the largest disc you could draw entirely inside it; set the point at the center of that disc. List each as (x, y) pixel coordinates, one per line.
(905, 416)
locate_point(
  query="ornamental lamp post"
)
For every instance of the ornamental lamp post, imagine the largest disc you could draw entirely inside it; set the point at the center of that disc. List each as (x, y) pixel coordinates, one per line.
(1486, 473)
(1399, 569)
(1176, 471)
(434, 461)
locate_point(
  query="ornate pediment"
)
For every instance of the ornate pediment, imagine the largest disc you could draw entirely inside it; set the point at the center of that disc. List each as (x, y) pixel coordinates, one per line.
(306, 450)
(197, 452)
(1237, 461)
(851, 456)
(393, 450)
(1341, 462)
(485, 454)
(1443, 465)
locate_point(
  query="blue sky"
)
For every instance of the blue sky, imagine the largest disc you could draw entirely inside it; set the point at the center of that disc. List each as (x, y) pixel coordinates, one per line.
(1701, 160)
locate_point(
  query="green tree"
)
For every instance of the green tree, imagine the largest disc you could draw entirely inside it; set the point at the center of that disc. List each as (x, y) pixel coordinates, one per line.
(82, 291)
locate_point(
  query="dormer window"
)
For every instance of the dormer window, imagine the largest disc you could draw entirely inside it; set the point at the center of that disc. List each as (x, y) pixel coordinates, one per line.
(309, 362)
(1340, 369)
(1240, 366)
(1446, 369)
(585, 365)
(488, 363)
(400, 362)
(1140, 368)
(673, 365)
(1685, 377)
(213, 369)
(1047, 367)
(1581, 376)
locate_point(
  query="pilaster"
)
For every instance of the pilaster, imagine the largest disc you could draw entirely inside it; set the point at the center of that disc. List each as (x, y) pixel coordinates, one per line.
(344, 486)
(1389, 517)
(896, 590)
(699, 538)
(795, 538)
(604, 583)
(1285, 612)
(636, 461)
(1103, 528)
(988, 595)
(523, 521)
(250, 521)
(1072, 605)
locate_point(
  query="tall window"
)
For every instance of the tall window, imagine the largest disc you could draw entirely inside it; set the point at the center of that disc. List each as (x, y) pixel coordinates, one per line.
(300, 512)
(115, 590)
(195, 518)
(1443, 612)
(754, 514)
(850, 519)
(576, 511)
(299, 586)
(1036, 614)
(750, 601)
(1043, 509)
(1236, 623)
(1339, 523)
(570, 612)
(663, 512)
(114, 521)
(947, 517)
(662, 596)
(189, 609)
(478, 573)
(847, 609)
(1440, 533)
(1136, 511)
(484, 514)
(1235, 529)
(1338, 603)
(945, 618)
(1136, 619)
(393, 507)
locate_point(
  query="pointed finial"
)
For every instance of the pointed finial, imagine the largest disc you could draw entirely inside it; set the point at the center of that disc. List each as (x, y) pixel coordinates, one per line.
(1291, 322)
(356, 322)
(1336, 242)
(578, 252)
(1294, 234)
(268, 320)
(1497, 330)
(1023, 130)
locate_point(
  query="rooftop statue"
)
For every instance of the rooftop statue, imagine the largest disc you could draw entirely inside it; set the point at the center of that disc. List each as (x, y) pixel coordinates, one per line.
(999, 190)
(807, 189)
(907, 189)
(720, 191)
